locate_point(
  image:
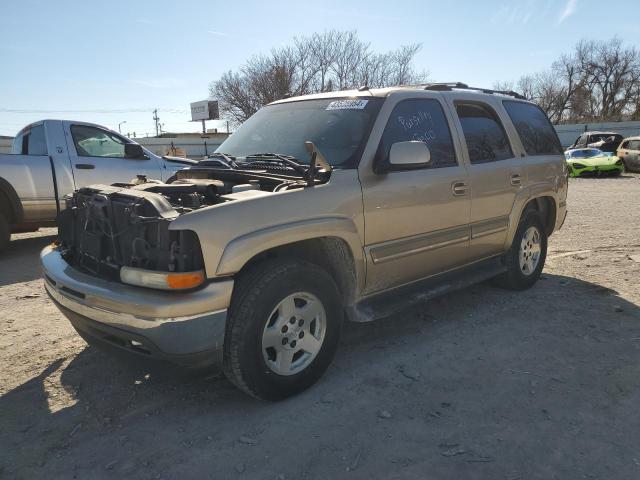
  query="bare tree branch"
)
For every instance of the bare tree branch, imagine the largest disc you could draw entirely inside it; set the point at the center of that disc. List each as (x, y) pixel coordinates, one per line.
(328, 61)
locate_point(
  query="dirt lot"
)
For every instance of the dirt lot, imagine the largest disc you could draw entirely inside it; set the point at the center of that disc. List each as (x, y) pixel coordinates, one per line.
(481, 383)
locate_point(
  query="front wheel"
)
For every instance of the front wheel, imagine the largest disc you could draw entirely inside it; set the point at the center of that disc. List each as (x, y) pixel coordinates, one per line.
(525, 259)
(283, 328)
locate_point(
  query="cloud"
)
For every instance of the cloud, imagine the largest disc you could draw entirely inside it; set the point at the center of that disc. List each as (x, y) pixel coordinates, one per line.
(220, 34)
(569, 9)
(516, 12)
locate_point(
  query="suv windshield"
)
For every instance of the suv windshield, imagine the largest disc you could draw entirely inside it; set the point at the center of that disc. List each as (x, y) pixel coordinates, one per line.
(339, 127)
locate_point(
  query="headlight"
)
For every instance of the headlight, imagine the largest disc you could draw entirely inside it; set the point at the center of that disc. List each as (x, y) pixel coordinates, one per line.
(161, 280)
(578, 165)
(619, 162)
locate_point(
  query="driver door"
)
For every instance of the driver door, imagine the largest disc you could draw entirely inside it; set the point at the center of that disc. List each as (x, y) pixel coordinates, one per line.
(99, 156)
(416, 219)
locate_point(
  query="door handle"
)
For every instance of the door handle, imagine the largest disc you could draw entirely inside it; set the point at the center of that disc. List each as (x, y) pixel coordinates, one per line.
(85, 166)
(516, 180)
(459, 188)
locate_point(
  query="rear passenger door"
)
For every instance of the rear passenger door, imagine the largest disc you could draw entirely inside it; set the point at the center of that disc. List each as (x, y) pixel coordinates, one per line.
(496, 175)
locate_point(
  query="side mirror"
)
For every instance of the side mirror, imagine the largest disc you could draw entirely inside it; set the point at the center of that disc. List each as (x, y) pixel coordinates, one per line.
(408, 155)
(133, 150)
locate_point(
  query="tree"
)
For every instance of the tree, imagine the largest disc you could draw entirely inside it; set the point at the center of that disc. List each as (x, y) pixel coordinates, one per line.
(323, 62)
(598, 81)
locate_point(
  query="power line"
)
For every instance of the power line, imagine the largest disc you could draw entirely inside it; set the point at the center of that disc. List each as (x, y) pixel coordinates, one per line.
(123, 110)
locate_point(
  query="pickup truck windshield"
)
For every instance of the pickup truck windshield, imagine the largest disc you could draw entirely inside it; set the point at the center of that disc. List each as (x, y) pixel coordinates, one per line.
(339, 127)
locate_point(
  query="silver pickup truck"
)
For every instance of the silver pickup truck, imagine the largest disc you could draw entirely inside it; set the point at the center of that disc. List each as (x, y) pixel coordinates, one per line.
(319, 208)
(52, 158)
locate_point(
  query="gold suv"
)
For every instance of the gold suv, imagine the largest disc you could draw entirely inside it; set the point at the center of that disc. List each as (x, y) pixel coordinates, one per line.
(342, 205)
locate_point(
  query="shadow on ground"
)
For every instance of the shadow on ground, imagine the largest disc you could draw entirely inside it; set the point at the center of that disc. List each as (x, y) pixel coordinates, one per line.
(21, 261)
(480, 383)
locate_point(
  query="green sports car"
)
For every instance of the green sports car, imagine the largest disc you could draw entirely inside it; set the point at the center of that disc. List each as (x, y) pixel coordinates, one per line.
(591, 161)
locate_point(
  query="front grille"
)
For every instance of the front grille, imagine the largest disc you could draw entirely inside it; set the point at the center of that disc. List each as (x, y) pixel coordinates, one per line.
(102, 232)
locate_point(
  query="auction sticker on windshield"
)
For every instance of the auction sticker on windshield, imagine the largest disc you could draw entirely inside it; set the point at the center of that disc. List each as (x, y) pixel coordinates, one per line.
(347, 104)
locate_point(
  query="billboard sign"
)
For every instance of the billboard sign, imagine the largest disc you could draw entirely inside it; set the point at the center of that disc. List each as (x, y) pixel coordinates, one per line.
(204, 110)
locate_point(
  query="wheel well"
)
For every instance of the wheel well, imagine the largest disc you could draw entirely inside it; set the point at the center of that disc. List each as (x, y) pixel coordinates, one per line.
(5, 208)
(329, 253)
(9, 202)
(546, 207)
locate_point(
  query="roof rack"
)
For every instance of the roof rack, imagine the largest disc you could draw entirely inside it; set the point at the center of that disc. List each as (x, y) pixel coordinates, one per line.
(448, 86)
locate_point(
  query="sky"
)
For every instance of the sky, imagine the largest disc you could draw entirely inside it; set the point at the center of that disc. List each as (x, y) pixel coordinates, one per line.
(116, 61)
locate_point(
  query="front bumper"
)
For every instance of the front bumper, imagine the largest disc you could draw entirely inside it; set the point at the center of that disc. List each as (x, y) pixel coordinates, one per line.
(596, 170)
(186, 328)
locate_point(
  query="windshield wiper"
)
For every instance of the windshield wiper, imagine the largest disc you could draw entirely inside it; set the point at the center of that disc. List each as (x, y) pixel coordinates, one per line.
(276, 157)
(229, 160)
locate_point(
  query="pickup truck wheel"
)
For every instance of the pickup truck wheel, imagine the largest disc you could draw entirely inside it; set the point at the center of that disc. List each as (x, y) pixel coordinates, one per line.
(525, 259)
(283, 328)
(5, 233)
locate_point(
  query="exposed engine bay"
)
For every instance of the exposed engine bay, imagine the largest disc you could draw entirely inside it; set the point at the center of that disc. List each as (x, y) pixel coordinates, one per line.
(104, 228)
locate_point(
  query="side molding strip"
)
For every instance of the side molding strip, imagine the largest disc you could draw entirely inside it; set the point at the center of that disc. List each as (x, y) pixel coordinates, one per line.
(488, 227)
(419, 243)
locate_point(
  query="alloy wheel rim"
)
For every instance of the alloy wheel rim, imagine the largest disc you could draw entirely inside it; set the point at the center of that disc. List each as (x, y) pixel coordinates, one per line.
(293, 333)
(530, 249)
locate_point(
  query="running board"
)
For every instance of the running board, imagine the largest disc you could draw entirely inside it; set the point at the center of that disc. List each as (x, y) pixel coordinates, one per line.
(390, 302)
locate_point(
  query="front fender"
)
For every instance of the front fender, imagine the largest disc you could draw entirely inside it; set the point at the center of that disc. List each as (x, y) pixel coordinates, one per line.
(239, 251)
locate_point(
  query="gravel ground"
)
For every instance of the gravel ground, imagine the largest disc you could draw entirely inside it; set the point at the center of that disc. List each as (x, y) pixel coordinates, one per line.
(481, 383)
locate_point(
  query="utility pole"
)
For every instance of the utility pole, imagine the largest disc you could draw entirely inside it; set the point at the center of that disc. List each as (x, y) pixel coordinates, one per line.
(156, 119)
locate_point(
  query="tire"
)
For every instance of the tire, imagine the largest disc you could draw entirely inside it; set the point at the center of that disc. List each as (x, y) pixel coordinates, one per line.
(518, 277)
(5, 233)
(263, 299)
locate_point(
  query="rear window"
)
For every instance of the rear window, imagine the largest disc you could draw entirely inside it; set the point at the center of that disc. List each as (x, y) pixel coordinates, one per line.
(534, 128)
(36, 144)
(30, 141)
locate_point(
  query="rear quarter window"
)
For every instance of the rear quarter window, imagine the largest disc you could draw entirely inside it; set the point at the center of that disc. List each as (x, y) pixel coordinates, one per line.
(30, 141)
(536, 133)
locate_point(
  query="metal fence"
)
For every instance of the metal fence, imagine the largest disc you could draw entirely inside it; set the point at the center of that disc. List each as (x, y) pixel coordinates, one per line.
(5, 145)
(569, 133)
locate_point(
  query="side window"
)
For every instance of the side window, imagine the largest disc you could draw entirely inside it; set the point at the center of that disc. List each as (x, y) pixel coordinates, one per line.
(486, 138)
(534, 128)
(94, 142)
(633, 145)
(36, 143)
(30, 141)
(624, 145)
(423, 120)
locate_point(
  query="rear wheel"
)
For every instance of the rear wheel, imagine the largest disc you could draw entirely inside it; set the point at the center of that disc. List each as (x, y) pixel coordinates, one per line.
(5, 233)
(525, 259)
(283, 328)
